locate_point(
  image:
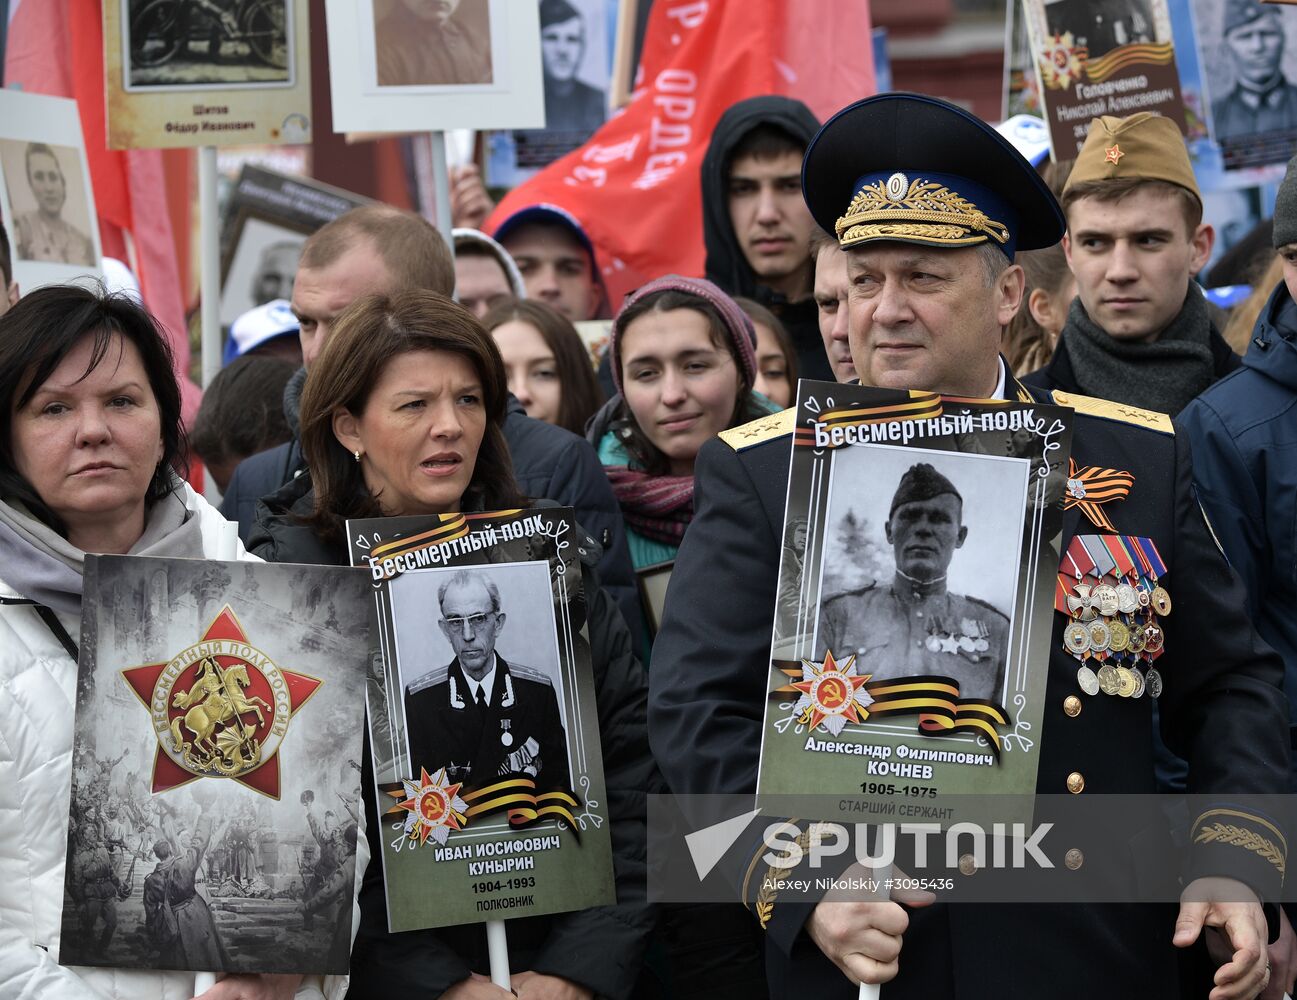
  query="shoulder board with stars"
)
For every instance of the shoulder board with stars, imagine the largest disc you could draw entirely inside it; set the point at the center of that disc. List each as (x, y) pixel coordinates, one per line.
(1108, 410)
(761, 430)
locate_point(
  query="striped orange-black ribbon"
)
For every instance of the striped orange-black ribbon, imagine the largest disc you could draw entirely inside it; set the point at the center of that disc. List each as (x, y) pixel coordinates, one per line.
(1091, 487)
(518, 796)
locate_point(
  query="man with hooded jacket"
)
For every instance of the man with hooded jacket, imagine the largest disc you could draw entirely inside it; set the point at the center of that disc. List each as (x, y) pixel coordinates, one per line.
(756, 227)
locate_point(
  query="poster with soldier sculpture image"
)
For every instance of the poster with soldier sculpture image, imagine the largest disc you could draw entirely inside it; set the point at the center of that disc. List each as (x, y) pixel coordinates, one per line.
(216, 767)
(913, 620)
(483, 720)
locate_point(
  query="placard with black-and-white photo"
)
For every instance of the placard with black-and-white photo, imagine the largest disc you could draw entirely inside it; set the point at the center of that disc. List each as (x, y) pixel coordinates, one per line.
(1248, 51)
(46, 201)
(913, 621)
(425, 65)
(206, 72)
(483, 721)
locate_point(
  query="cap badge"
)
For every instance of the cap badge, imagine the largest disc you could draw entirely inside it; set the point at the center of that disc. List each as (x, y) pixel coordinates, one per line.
(919, 209)
(1113, 154)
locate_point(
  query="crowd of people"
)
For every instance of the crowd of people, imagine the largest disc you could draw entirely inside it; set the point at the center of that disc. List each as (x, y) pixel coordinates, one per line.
(408, 377)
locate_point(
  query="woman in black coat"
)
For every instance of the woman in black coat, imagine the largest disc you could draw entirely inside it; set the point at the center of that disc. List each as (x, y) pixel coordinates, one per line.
(401, 415)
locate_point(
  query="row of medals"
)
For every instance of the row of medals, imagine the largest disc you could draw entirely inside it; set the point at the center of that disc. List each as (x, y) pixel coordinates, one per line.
(1117, 621)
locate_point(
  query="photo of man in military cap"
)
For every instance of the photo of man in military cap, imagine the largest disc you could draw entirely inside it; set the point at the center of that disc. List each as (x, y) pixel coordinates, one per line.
(913, 625)
(480, 717)
(1261, 99)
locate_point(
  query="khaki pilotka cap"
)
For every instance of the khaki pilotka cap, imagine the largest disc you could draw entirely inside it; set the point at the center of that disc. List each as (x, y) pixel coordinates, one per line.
(1143, 145)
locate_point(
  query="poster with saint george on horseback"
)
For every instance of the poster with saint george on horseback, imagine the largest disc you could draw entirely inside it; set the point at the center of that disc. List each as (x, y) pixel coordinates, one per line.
(215, 766)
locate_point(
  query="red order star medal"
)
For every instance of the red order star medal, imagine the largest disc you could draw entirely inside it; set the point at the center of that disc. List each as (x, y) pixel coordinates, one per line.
(832, 694)
(1113, 154)
(220, 709)
(435, 808)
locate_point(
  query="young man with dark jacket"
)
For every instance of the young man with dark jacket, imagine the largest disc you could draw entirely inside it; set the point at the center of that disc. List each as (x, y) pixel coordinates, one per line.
(1138, 331)
(755, 224)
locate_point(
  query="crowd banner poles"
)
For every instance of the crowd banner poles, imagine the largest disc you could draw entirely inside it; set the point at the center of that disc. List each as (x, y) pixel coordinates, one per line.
(210, 254)
(497, 944)
(441, 196)
(209, 240)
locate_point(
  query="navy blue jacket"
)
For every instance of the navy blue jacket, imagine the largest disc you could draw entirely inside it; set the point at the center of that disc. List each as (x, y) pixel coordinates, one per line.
(549, 463)
(1243, 431)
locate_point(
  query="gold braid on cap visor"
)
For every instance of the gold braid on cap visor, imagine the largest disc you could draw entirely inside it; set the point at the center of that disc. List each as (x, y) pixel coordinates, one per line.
(900, 209)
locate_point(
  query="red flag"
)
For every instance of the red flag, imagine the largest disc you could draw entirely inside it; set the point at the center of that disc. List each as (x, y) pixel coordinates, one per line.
(635, 185)
(56, 47)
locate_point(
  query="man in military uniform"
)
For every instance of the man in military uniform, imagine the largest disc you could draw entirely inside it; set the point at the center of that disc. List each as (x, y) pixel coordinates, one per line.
(480, 717)
(929, 300)
(1262, 99)
(915, 625)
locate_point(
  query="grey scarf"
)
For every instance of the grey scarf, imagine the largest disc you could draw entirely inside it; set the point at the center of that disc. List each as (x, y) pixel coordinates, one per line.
(1164, 375)
(45, 567)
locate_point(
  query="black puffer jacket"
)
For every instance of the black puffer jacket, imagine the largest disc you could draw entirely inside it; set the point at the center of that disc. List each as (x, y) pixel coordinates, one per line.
(601, 948)
(726, 266)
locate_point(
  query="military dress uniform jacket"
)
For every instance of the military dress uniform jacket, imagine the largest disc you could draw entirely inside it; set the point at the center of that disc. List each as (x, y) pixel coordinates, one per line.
(479, 746)
(1222, 709)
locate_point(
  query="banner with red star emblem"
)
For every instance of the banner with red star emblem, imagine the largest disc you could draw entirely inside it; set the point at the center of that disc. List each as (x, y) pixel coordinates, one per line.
(216, 760)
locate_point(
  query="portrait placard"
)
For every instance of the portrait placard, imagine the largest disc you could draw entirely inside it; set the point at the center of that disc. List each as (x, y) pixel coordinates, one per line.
(1101, 57)
(268, 218)
(912, 633)
(194, 73)
(413, 66)
(216, 766)
(46, 202)
(483, 720)
(1248, 52)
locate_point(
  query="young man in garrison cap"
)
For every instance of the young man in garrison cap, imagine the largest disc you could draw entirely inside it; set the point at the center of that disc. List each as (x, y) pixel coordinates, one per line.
(1138, 331)
(929, 301)
(1262, 99)
(1244, 436)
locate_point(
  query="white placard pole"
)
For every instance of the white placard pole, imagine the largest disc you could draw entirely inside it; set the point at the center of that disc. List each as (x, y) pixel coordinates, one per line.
(441, 188)
(872, 991)
(497, 944)
(209, 241)
(204, 981)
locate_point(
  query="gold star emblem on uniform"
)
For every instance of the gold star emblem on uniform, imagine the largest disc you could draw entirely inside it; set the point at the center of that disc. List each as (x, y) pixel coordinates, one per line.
(832, 694)
(1113, 154)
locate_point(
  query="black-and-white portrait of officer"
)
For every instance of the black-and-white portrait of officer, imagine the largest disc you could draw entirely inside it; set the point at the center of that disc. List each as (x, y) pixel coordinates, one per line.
(473, 705)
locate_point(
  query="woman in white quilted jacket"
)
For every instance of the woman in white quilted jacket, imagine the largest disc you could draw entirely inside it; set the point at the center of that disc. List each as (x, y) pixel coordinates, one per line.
(90, 436)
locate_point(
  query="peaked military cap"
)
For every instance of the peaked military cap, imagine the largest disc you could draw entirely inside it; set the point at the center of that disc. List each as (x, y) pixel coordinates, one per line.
(916, 169)
(922, 482)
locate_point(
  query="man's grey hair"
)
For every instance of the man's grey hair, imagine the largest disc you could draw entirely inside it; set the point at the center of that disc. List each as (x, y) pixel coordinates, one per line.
(463, 578)
(993, 261)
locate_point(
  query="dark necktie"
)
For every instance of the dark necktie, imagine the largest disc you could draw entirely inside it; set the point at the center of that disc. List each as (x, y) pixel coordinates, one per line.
(481, 696)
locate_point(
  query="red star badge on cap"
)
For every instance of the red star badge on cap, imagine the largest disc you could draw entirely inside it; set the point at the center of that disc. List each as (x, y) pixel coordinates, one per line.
(220, 708)
(1113, 153)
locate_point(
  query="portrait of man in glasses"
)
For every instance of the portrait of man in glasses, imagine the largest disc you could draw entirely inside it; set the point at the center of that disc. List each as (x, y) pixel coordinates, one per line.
(481, 718)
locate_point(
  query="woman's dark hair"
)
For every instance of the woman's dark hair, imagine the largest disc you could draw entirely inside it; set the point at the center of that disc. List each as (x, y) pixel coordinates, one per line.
(642, 451)
(43, 329)
(761, 316)
(373, 332)
(580, 394)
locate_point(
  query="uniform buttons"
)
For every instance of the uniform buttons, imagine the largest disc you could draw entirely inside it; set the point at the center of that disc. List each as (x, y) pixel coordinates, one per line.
(1072, 706)
(967, 864)
(918, 614)
(1074, 859)
(1076, 782)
